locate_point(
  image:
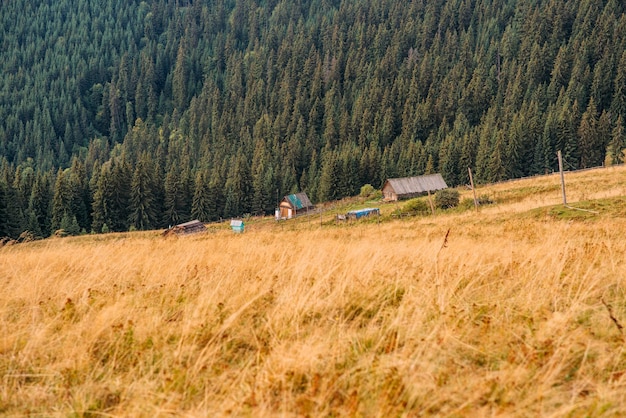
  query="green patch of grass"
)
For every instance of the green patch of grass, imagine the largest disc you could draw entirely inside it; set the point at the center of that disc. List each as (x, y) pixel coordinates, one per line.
(582, 211)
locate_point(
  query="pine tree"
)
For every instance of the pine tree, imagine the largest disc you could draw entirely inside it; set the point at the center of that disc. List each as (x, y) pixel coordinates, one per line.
(119, 197)
(590, 141)
(262, 181)
(617, 146)
(173, 202)
(216, 199)
(79, 190)
(238, 189)
(483, 155)
(39, 205)
(328, 183)
(618, 105)
(11, 216)
(111, 200)
(449, 161)
(62, 199)
(201, 205)
(567, 139)
(142, 213)
(5, 228)
(180, 78)
(467, 156)
(497, 167)
(100, 188)
(69, 224)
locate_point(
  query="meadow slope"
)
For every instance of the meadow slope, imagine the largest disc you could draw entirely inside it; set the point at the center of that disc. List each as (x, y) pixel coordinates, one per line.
(513, 311)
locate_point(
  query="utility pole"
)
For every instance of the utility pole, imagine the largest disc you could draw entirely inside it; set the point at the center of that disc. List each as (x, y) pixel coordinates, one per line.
(560, 157)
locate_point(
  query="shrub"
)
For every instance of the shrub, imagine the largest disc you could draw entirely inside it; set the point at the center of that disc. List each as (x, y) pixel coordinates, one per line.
(366, 190)
(468, 203)
(447, 198)
(369, 192)
(419, 206)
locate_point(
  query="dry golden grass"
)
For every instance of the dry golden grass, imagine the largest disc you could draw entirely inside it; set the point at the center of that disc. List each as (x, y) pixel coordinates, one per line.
(518, 313)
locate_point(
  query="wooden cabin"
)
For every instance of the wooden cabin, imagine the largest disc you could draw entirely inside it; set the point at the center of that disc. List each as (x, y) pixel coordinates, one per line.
(187, 228)
(294, 205)
(409, 187)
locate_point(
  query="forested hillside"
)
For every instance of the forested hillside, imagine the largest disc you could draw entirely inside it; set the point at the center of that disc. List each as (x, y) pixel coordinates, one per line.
(141, 114)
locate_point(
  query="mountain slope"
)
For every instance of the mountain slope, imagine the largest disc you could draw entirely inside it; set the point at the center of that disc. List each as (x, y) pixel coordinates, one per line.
(259, 98)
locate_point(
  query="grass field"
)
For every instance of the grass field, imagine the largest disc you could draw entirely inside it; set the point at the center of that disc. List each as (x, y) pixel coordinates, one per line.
(516, 310)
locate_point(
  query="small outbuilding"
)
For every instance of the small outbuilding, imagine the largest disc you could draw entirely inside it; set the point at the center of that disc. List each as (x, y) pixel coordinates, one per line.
(363, 213)
(409, 187)
(187, 228)
(237, 226)
(294, 205)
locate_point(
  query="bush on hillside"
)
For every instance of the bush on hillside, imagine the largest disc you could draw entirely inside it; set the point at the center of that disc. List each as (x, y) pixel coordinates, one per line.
(369, 192)
(447, 198)
(468, 203)
(418, 206)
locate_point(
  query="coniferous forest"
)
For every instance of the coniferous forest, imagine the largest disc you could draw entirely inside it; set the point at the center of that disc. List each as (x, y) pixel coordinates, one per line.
(118, 115)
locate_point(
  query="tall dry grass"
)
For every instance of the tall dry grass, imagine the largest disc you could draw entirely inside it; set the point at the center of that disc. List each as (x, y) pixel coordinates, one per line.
(514, 314)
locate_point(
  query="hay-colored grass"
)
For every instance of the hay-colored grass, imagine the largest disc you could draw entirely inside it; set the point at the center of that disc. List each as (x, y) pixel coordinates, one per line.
(518, 313)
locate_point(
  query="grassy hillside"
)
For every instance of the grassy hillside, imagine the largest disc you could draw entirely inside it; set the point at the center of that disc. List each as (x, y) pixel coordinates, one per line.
(513, 311)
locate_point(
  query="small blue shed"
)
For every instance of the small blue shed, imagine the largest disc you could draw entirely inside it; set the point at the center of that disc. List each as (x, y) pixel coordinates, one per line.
(237, 226)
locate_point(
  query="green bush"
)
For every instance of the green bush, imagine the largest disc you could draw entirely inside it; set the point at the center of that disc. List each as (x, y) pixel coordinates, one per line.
(369, 192)
(366, 190)
(419, 206)
(468, 203)
(447, 198)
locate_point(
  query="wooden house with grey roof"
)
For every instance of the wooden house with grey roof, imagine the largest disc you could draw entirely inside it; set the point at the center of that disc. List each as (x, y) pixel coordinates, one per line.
(409, 187)
(294, 205)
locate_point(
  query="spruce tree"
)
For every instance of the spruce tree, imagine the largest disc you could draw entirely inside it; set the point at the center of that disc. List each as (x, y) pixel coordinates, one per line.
(39, 205)
(142, 213)
(172, 203)
(201, 205)
(329, 180)
(79, 190)
(618, 104)
(118, 200)
(62, 199)
(590, 141)
(497, 164)
(617, 146)
(5, 229)
(238, 189)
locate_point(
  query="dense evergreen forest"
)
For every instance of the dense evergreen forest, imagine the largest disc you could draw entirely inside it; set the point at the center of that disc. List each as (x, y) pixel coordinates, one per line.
(127, 114)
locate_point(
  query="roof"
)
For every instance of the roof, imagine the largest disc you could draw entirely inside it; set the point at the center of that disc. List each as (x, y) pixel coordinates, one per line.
(419, 184)
(299, 201)
(191, 227)
(236, 225)
(360, 213)
(191, 224)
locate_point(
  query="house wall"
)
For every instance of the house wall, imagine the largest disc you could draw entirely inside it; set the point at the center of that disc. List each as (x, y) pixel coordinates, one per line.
(285, 207)
(389, 194)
